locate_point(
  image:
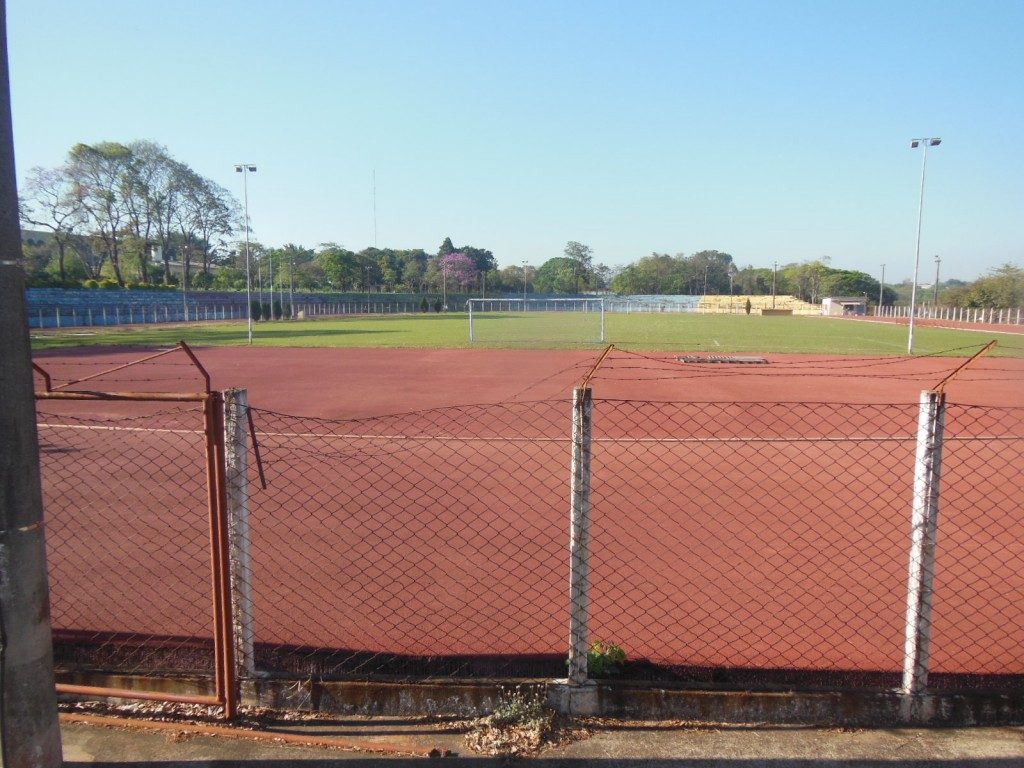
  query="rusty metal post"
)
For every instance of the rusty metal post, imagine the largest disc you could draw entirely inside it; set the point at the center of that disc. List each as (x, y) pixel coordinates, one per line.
(227, 622)
(213, 419)
(223, 646)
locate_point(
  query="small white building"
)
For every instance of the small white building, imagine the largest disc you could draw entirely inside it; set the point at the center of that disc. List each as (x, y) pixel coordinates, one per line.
(839, 306)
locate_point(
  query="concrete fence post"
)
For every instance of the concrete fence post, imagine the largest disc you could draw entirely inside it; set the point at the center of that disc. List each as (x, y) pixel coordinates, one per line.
(236, 443)
(579, 536)
(924, 533)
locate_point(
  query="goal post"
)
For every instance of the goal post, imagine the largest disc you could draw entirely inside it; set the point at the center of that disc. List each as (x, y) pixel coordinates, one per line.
(527, 321)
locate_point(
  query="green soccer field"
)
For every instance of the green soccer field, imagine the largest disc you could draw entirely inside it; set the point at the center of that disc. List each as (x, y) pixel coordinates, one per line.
(665, 332)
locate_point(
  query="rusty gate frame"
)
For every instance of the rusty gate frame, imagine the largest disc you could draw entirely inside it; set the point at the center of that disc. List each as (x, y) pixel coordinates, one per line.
(225, 677)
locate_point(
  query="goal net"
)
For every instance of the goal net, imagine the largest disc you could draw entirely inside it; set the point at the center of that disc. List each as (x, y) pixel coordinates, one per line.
(536, 321)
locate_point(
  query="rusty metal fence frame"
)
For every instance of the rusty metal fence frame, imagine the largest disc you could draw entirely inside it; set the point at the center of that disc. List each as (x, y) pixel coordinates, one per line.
(212, 403)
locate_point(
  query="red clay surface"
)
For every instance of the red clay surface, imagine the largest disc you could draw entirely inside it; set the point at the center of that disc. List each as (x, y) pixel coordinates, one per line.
(764, 549)
(352, 383)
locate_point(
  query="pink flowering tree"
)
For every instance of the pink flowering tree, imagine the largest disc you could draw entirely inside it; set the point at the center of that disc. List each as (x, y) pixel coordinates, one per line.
(458, 269)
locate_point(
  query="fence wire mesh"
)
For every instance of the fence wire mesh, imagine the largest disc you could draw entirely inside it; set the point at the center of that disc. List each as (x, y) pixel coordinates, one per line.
(128, 537)
(423, 544)
(747, 543)
(731, 537)
(979, 567)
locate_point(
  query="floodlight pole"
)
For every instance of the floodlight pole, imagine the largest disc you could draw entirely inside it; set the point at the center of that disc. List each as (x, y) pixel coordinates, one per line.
(914, 144)
(732, 274)
(775, 270)
(245, 169)
(524, 284)
(184, 288)
(881, 290)
(938, 261)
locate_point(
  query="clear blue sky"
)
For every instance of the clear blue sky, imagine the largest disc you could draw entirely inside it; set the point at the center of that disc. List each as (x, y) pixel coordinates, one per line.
(773, 131)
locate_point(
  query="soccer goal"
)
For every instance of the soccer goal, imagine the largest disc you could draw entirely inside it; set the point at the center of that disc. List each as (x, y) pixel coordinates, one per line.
(536, 321)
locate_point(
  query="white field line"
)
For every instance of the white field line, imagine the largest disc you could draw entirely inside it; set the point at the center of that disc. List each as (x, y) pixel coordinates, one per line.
(96, 428)
(610, 440)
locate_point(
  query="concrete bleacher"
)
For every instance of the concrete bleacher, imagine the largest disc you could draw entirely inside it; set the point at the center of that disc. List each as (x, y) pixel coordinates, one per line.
(651, 303)
(737, 305)
(77, 307)
(70, 307)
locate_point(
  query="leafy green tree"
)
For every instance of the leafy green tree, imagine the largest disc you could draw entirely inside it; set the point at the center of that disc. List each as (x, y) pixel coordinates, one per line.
(1001, 288)
(658, 273)
(341, 267)
(286, 260)
(96, 172)
(446, 247)
(483, 260)
(309, 277)
(411, 268)
(710, 270)
(582, 259)
(557, 275)
(50, 203)
(848, 282)
(229, 278)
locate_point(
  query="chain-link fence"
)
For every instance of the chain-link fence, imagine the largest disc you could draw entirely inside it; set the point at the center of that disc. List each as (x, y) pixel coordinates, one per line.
(422, 544)
(979, 564)
(754, 544)
(135, 503)
(737, 541)
(125, 494)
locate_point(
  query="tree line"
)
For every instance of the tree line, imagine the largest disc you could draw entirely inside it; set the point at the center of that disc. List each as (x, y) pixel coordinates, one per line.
(120, 214)
(715, 272)
(111, 207)
(464, 269)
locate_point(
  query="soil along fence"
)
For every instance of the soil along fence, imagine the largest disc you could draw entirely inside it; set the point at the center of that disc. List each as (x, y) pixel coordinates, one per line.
(751, 545)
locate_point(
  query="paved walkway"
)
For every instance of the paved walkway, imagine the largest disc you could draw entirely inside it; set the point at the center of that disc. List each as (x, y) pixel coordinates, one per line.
(626, 745)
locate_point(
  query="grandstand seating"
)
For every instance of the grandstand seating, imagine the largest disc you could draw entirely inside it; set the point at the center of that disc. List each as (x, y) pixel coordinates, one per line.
(737, 304)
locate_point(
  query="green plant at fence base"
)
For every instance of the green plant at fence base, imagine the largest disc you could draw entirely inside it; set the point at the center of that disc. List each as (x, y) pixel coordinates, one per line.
(520, 724)
(605, 659)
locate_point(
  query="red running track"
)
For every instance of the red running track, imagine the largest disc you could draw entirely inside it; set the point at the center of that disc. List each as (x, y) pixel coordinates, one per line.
(703, 555)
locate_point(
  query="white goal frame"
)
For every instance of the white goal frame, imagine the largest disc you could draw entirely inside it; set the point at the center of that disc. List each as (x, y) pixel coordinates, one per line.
(533, 305)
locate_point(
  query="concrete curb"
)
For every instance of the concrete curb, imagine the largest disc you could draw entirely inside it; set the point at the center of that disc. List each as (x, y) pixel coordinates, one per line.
(864, 708)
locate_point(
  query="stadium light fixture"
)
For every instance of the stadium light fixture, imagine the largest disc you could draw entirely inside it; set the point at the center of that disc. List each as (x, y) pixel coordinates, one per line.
(914, 144)
(245, 169)
(938, 261)
(881, 291)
